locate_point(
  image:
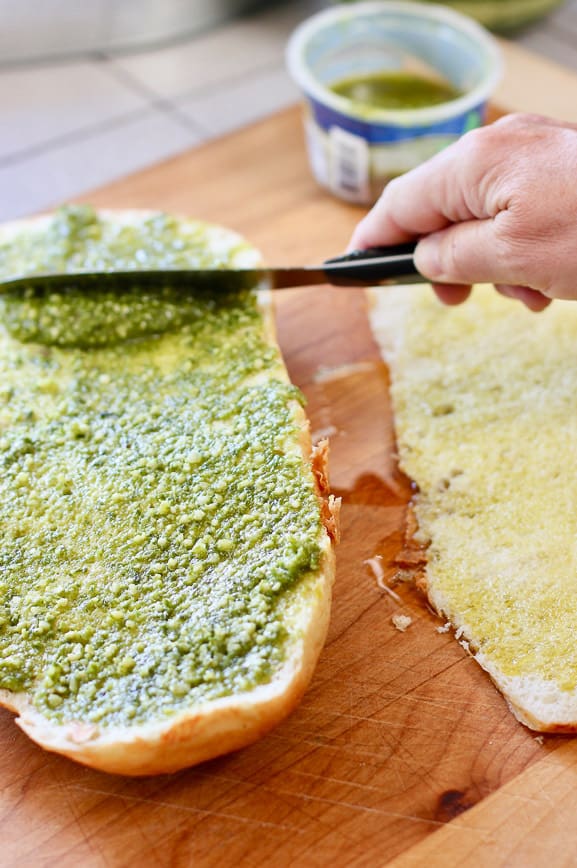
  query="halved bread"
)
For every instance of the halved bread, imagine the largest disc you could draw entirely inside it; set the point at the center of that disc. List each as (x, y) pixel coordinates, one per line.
(141, 731)
(485, 410)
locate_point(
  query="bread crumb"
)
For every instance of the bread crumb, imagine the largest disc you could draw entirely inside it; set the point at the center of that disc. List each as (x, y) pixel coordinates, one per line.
(377, 569)
(324, 433)
(421, 538)
(325, 374)
(403, 575)
(445, 628)
(401, 622)
(540, 739)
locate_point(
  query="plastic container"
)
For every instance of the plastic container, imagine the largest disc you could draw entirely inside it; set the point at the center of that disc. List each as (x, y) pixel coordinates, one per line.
(354, 150)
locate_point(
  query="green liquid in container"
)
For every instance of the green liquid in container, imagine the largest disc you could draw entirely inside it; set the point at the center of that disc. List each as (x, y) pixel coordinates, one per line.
(394, 90)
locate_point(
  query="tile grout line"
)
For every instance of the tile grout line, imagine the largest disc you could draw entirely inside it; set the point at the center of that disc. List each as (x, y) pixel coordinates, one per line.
(90, 55)
(170, 108)
(221, 88)
(249, 75)
(216, 87)
(80, 135)
(155, 100)
(37, 64)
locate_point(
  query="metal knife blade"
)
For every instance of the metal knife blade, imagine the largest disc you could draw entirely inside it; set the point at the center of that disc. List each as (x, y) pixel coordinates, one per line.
(372, 267)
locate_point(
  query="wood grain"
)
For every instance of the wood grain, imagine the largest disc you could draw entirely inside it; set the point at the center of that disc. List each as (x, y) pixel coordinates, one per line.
(530, 821)
(399, 733)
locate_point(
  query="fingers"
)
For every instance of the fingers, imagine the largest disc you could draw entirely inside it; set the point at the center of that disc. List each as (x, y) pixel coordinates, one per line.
(465, 253)
(467, 180)
(439, 192)
(424, 200)
(531, 298)
(497, 206)
(377, 229)
(381, 225)
(471, 253)
(452, 294)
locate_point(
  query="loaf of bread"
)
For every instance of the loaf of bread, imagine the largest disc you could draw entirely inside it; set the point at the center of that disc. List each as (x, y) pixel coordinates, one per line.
(166, 558)
(485, 408)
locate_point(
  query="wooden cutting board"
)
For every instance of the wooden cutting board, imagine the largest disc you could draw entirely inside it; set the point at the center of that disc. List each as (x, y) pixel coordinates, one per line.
(402, 748)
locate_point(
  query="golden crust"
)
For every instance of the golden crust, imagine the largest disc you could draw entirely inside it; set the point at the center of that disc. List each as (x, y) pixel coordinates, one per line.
(330, 505)
(212, 728)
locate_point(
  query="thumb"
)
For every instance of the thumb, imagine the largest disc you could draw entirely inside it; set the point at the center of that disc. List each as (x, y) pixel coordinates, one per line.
(464, 253)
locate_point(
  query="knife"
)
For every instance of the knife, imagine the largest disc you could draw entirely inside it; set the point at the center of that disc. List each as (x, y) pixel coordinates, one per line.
(372, 267)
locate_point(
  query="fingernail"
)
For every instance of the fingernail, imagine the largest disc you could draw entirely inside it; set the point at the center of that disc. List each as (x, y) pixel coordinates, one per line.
(428, 260)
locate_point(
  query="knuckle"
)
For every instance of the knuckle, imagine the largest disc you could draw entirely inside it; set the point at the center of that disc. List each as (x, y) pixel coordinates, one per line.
(487, 146)
(478, 148)
(515, 120)
(475, 140)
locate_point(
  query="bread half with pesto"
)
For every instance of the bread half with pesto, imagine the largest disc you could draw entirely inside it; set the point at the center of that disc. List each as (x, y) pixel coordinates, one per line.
(166, 559)
(485, 412)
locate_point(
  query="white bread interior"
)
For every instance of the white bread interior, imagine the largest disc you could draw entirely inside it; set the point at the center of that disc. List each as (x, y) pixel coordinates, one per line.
(211, 728)
(485, 409)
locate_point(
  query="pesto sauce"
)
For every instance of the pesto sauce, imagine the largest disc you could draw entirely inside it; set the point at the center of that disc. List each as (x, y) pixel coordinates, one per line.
(155, 513)
(75, 240)
(394, 90)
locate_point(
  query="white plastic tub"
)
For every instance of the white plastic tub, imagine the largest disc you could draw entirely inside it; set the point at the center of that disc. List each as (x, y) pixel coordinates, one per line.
(353, 150)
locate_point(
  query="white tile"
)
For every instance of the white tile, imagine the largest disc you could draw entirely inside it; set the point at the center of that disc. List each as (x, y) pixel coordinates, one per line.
(40, 104)
(63, 172)
(59, 28)
(238, 104)
(222, 55)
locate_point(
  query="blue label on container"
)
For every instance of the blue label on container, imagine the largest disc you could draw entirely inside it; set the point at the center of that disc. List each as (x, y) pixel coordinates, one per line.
(376, 133)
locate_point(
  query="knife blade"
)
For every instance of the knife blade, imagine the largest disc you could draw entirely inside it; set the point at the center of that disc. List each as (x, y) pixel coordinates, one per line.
(372, 267)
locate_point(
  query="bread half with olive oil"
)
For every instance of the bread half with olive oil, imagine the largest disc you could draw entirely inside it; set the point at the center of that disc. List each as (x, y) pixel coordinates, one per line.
(167, 553)
(485, 411)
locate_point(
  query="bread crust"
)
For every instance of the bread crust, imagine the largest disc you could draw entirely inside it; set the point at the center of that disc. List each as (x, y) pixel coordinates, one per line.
(211, 728)
(207, 730)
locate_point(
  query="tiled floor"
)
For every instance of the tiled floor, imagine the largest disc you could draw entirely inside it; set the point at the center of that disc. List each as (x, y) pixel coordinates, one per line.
(72, 125)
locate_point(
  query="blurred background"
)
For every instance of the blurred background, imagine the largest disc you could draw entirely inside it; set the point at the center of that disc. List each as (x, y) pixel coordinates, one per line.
(92, 91)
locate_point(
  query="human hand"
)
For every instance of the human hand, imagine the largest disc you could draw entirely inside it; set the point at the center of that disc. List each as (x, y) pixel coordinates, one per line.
(497, 206)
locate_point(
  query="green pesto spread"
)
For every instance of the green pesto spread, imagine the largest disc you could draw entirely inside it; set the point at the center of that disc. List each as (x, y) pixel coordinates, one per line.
(394, 90)
(75, 240)
(156, 516)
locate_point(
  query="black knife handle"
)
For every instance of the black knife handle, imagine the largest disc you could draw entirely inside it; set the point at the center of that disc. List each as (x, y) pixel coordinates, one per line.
(374, 266)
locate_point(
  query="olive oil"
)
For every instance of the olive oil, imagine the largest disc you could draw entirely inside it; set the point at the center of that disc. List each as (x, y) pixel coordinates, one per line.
(394, 90)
